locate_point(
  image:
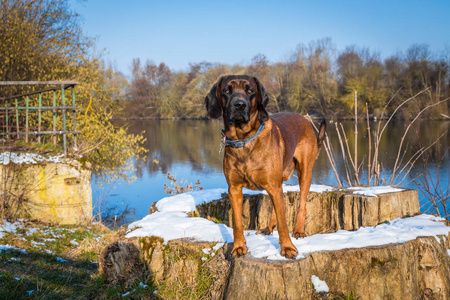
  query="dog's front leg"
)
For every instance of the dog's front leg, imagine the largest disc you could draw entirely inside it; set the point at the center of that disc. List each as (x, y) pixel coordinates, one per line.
(236, 198)
(287, 247)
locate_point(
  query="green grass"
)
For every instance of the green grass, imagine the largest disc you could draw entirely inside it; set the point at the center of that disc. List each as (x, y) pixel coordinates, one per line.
(334, 296)
(48, 148)
(60, 262)
(349, 296)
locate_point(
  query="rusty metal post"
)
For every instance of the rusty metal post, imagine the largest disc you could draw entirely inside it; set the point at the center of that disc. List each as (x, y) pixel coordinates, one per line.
(26, 119)
(74, 118)
(39, 118)
(17, 120)
(54, 117)
(7, 121)
(64, 119)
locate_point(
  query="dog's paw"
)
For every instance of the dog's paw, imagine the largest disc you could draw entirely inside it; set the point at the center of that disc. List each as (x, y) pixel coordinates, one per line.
(265, 231)
(289, 252)
(239, 250)
(298, 235)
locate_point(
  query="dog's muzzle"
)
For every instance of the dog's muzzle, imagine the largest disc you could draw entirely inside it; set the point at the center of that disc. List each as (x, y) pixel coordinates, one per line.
(239, 111)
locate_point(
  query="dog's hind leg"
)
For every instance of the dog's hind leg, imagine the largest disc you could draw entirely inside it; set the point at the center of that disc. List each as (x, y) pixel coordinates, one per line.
(272, 223)
(304, 172)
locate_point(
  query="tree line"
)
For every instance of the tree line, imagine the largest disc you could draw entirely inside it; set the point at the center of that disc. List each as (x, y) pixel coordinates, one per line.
(315, 79)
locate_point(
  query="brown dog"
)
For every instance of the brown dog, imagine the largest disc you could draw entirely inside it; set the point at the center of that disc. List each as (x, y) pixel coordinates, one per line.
(261, 153)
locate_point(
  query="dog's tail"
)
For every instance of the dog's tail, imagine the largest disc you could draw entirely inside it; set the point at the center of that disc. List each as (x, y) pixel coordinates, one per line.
(321, 135)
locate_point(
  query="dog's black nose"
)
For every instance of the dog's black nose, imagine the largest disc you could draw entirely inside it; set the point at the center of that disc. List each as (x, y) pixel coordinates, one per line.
(240, 104)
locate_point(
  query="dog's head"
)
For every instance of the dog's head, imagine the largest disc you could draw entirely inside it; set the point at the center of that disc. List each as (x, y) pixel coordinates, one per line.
(236, 98)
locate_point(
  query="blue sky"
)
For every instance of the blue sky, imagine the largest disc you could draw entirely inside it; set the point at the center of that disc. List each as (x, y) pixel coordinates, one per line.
(182, 32)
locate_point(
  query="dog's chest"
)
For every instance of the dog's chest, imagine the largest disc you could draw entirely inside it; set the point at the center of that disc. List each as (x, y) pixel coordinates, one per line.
(249, 170)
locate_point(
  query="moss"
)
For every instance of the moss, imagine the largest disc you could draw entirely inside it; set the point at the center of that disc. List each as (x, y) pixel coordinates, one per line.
(215, 220)
(85, 163)
(39, 148)
(349, 296)
(330, 197)
(376, 262)
(150, 242)
(333, 296)
(218, 215)
(148, 245)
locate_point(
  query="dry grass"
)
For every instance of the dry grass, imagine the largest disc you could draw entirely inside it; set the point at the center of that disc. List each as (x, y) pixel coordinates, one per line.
(57, 262)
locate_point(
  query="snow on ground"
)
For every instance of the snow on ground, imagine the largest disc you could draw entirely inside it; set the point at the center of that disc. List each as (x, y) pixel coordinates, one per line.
(170, 224)
(7, 227)
(316, 188)
(174, 225)
(373, 191)
(187, 202)
(59, 259)
(27, 158)
(394, 232)
(9, 247)
(319, 285)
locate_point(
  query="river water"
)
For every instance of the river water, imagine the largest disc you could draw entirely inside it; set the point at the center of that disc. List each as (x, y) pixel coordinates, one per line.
(189, 151)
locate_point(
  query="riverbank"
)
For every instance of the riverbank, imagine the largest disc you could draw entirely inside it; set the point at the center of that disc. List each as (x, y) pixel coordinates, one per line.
(315, 118)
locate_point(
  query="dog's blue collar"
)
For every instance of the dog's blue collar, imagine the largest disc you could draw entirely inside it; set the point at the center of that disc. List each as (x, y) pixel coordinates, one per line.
(226, 141)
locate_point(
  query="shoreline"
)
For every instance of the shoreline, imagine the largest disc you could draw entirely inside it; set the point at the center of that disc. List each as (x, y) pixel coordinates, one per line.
(313, 118)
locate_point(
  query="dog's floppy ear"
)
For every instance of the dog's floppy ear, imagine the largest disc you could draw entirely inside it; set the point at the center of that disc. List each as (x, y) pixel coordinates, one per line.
(213, 107)
(262, 102)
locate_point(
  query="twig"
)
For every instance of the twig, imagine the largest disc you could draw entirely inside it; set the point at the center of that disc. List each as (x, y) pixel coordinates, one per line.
(334, 165)
(344, 158)
(328, 150)
(380, 133)
(349, 154)
(356, 138)
(93, 147)
(398, 107)
(369, 175)
(414, 158)
(418, 154)
(406, 131)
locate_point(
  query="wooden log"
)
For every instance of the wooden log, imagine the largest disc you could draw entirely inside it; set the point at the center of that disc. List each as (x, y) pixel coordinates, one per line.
(326, 212)
(418, 269)
(415, 270)
(180, 265)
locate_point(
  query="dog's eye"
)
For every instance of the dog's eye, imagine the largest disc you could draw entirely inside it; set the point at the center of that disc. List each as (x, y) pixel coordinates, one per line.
(227, 91)
(249, 91)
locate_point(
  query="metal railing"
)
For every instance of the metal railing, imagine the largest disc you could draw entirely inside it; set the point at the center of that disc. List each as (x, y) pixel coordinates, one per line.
(9, 111)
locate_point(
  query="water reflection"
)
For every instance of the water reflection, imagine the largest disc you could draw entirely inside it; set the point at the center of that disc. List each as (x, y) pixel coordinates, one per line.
(192, 142)
(189, 149)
